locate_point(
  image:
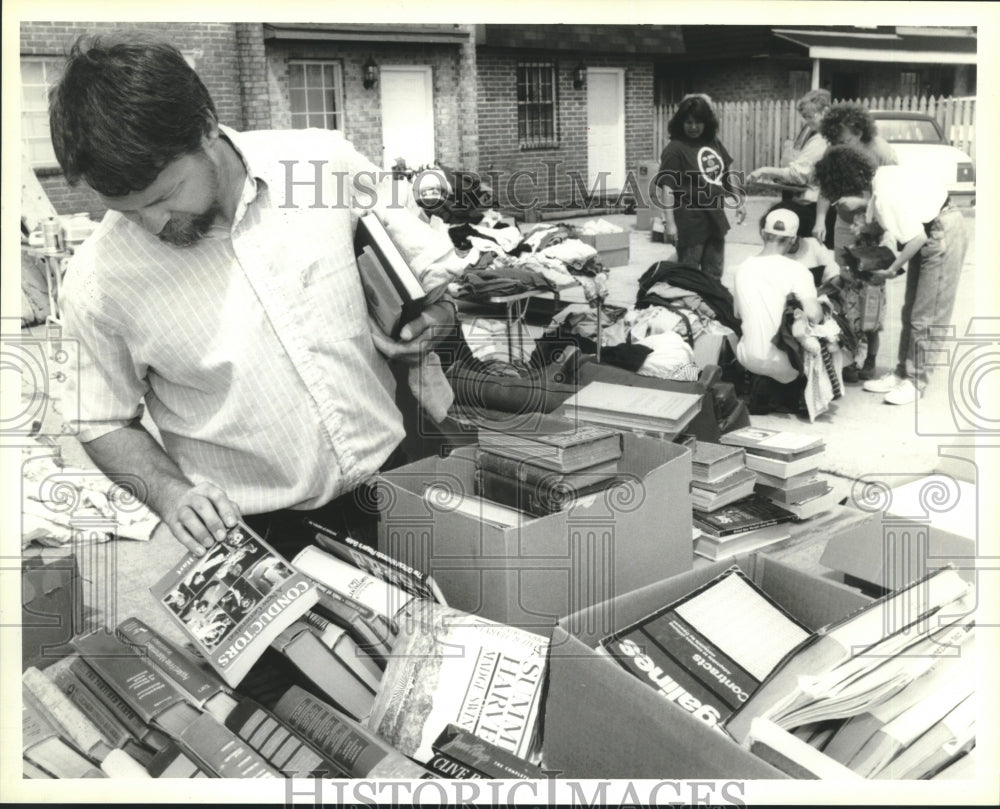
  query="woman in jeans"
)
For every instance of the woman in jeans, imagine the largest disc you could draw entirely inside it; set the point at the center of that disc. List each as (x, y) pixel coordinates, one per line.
(929, 233)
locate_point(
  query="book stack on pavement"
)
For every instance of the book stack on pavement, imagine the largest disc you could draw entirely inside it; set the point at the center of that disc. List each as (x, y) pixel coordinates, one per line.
(787, 466)
(719, 475)
(545, 470)
(650, 412)
(749, 524)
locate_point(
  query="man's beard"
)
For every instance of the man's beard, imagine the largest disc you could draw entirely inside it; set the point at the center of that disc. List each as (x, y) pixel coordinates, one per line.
(183, 230)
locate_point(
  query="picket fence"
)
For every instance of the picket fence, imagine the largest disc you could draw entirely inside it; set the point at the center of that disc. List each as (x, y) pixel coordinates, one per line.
(756, 133)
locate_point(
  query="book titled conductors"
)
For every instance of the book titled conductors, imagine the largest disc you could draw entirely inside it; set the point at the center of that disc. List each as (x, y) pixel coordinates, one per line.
(235, 600)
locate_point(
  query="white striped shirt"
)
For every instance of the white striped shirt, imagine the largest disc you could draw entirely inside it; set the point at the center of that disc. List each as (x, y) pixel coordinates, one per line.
(251, 349)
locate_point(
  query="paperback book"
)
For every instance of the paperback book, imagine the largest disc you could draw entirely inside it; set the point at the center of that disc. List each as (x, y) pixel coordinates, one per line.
(709, 651)
(712, 496)
(235, 600)
(451, 667)
(633, 408)
(783, 445)
(747, 514)
(718, 548)
(538, 500)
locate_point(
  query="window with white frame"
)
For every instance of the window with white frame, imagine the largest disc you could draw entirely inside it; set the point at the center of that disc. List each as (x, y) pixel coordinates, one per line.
(316, 91)
(909, 83)
(536, 105)
(37, 75)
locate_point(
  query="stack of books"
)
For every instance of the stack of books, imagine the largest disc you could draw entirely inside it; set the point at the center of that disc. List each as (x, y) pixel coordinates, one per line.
(747, 525)
(787, 466)
(645, 411)
(719, 475)
(546, 470)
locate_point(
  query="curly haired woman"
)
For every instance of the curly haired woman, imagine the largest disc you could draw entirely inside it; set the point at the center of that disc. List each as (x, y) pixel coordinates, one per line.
(694, 171)
(853, 125)
(917, 213)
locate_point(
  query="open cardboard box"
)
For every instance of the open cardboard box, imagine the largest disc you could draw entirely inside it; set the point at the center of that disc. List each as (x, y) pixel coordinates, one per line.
(601, 722)
(915, 526)
(534, 573)
(612, 248)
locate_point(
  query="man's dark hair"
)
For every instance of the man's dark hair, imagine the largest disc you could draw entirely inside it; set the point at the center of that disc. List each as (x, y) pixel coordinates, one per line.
(853, 116)
(699, 109)
(123, 109)
(844, 171)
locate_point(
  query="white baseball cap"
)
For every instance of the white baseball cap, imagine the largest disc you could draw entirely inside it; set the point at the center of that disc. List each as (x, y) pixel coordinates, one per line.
(782, 222)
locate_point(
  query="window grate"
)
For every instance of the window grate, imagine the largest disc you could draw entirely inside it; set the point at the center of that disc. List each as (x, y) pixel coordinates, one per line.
(316, 93)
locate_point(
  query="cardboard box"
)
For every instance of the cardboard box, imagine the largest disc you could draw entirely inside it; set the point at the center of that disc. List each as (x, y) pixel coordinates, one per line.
(612, 248)
(601, 722)
(644, 216)
(531, 575)
(708, 346)
(914, 527)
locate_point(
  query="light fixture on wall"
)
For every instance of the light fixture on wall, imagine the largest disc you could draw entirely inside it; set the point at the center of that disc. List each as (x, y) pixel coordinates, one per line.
(579, 77)
(370, 74)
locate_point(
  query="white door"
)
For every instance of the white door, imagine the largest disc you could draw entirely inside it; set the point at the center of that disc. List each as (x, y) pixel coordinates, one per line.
(606, 126)
(407, 115)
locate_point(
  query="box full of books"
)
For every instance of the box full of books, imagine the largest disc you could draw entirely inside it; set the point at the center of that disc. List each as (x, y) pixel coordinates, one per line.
(511, 565)
(669, 728)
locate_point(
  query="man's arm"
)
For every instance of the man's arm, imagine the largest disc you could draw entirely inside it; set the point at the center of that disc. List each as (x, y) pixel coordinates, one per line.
(193, 513)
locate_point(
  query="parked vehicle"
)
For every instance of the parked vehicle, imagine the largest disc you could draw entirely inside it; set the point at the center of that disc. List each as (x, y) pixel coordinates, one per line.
(919, 141)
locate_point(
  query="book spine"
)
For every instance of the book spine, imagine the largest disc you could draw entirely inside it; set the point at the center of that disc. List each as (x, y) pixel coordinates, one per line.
(223, 751)
(71, 721)
(370, 631)
(197, 684)
(113, 731)
(118, 706)
(288, 753)
(173, 762)
(515, 469)
(528, 498)
(353, 748)
(457, 749)
(141, 685)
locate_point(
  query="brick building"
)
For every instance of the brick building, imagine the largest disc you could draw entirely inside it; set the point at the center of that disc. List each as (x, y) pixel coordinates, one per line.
(551, 113)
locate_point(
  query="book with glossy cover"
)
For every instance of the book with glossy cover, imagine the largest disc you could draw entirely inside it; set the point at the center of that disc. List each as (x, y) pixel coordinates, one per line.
(718, 548)
(748, 514)
(451, 667)
(234, 600)
(783, 445)
(709, 650)
(462, 755)
(811, 506)
(373, 561)
(562, 445)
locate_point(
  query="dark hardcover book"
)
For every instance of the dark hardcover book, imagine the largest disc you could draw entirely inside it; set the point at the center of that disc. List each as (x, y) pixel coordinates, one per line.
(714, 462)
(744, 515)
(733, 480)
(173, 762)
(538, 501)
(813, 487)
(703, 500)
(373, 561)
(340, 643)
(116, 703)
(219, 750)
(459, 754)
(534, 475)
(806, 465)
(372, 632)
(710, 650)
(716, 548)
(782, 445)
(393, 291)
(561, 445)
(357, 751)
(336, 681)
(285, 750)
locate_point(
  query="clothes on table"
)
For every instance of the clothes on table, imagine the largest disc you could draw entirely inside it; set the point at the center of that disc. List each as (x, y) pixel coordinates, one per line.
(709, 290)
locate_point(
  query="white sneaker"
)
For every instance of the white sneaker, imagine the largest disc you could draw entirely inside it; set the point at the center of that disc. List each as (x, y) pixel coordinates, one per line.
(883, 384)
(904, 393)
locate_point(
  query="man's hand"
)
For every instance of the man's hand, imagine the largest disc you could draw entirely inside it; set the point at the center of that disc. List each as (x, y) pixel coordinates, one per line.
(419, 336)
(200, 515)
(819, 231)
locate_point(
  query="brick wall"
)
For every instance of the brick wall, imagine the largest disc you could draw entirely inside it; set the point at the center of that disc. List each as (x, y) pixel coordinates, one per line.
(213, 46)
(455, 133)
(252, 61)
(739, 80)
(548, 169)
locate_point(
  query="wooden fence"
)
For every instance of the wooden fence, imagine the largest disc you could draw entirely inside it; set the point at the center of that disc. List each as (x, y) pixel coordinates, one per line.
(756, 132)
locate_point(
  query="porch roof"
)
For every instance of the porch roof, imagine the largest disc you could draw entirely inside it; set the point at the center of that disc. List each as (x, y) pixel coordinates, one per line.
(884, 46)
(446, 34)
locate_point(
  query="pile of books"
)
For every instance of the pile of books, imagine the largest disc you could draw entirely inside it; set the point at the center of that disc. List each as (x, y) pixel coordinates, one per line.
(334, 675)
(544, 470)
(649, 412)
(719, 475)
(787, 466)
(749, 524)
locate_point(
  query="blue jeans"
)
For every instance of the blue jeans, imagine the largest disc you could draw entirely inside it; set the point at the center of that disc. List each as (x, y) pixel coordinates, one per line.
(931, 284)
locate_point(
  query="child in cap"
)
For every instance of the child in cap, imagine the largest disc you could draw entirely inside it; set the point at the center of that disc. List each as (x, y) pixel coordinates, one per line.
(761, 287)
